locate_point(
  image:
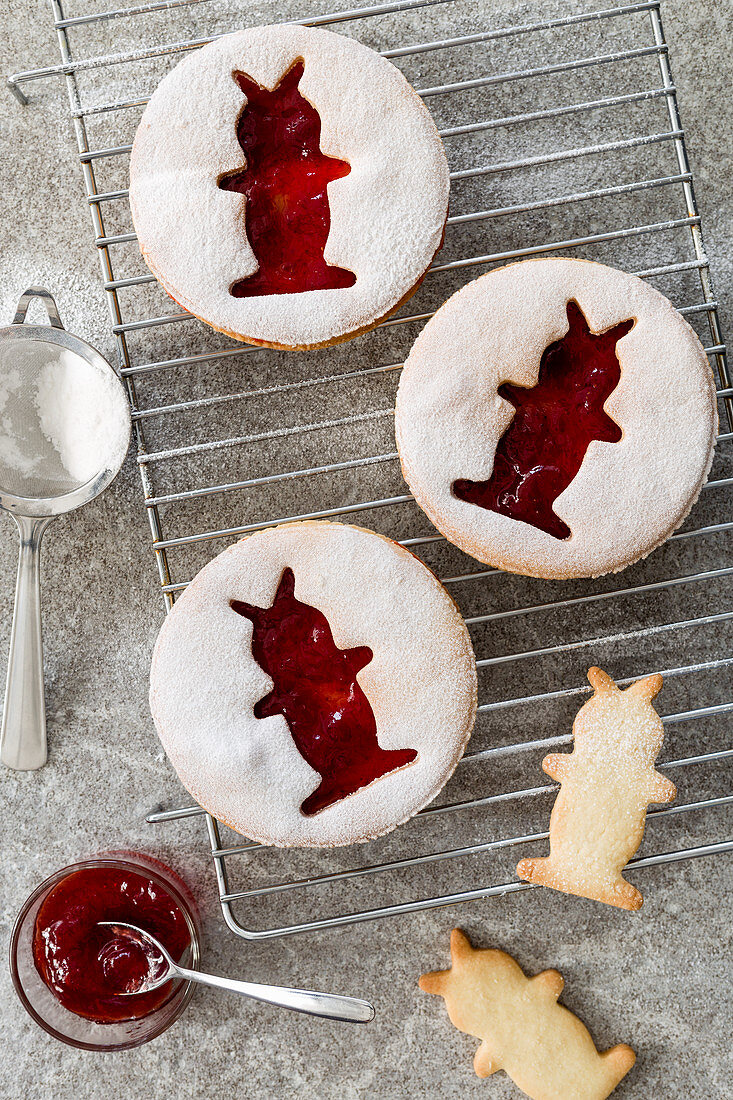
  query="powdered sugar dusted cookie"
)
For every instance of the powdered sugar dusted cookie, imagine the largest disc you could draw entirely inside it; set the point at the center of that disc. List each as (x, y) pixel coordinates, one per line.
(314, 685)
(288, 186)
(545, 1049)
(557, 418)
(606, 784)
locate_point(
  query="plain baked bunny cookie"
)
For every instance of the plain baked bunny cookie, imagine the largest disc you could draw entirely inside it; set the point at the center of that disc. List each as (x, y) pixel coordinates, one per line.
(544, 1048)
(606, 784)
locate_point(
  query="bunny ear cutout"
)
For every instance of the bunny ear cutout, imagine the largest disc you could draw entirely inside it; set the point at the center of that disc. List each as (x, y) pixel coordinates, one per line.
(250, 87)
(600, 680)
(286, 586)
(460, 945)
(646, 688)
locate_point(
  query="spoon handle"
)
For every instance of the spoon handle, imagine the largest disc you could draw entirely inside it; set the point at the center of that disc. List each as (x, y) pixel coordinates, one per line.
(329, 1005)
(23, 741)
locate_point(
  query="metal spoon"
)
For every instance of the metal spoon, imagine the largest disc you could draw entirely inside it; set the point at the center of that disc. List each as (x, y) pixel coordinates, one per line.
(163, 968)
(64, 433)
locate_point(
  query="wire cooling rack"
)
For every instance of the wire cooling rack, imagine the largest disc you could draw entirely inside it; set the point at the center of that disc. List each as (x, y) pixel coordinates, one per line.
(563, 133)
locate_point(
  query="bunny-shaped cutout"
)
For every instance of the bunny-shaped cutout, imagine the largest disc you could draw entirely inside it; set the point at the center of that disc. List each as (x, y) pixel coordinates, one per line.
(556, 420)
(285, 182)
(544, 1048)
(316, 690)
(606, 785)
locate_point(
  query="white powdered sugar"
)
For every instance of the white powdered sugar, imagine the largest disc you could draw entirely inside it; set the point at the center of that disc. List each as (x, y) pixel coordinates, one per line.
(627, 497)
(73, 402)
(420, 682)
(59, 420)
(387, 214)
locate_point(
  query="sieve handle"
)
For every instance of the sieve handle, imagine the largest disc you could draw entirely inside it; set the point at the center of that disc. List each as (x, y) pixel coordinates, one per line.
(23, 743)
(48, 300)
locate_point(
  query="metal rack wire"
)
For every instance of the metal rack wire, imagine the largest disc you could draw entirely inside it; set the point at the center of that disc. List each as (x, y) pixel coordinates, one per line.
(210, 447)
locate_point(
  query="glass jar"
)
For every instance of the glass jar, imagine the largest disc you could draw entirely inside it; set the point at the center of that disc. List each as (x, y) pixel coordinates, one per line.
(48, 1011)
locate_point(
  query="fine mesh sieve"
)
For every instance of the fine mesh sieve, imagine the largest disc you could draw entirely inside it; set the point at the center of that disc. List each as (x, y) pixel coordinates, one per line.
(64, 432)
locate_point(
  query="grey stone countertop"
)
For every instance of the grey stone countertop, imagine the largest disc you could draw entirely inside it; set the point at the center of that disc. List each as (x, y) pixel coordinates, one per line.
(659, 980)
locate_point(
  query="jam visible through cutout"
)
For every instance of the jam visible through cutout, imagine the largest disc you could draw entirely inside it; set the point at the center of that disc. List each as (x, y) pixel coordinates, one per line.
(285, 183)
(543, 447)
(316, 691)
(86, 967)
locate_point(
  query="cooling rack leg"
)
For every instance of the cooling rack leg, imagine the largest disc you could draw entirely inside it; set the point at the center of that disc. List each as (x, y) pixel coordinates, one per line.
(17, 92)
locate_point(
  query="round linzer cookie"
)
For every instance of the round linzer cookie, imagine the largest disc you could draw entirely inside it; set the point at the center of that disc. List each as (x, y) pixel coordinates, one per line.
(314, 685)
(288, 186)
(557, 418)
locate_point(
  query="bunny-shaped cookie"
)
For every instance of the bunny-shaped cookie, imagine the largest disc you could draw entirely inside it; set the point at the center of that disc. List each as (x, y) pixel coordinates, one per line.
(606, 784)
(544, 1048)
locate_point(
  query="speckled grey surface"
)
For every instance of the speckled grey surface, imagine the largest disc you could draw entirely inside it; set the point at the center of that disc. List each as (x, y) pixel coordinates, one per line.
(658, 980)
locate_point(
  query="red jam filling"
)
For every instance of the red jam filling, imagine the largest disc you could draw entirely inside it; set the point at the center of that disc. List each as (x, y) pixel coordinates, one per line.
(543, 447)
(315, 689)
(86, 967)
(285, 183)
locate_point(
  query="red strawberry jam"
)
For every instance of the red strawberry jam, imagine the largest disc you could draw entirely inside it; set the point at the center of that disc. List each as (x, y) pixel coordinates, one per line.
(285, 183)
(543, 447)
(86, 967)
(316, 690)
